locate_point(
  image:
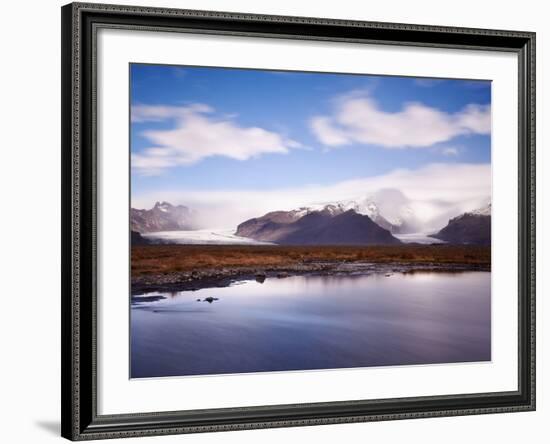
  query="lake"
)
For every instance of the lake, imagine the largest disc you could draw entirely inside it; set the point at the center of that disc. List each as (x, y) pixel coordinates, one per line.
(313, 322)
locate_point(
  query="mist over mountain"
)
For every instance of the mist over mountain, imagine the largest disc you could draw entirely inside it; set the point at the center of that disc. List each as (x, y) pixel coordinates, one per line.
(162, 217)
(472, 227)
(389, 208)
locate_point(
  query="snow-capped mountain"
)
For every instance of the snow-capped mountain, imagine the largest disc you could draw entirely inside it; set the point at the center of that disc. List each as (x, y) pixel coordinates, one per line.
(397, 218)
(162, 217)
(365, 208)
(389, 209)
(327, 225)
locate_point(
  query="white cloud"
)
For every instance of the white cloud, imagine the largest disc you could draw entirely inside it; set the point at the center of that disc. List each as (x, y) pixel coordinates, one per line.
(358, 119)
(475, 118)
(198, 134)
(326, 133)
(435, 192)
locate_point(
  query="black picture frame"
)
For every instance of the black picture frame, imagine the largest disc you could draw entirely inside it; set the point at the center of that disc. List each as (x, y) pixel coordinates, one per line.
(80, 22)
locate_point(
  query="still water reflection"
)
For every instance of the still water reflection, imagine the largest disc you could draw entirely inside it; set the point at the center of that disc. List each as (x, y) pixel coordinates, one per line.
(314, 322)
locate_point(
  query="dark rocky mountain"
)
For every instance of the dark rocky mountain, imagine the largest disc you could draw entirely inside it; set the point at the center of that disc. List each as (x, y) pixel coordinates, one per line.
(138, 239)
(324, 227)
(162, 217)
(469, 228)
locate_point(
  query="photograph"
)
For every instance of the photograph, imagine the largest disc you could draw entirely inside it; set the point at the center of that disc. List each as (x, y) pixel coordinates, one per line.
(296, 221)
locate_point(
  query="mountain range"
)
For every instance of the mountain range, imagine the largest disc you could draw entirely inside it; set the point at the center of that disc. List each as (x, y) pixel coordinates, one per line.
(350, 222)
(162, 217)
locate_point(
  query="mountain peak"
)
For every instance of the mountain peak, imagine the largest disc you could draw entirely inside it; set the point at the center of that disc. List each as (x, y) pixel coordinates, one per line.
(162, 217)
(163, 204)
(388, 208)
(482, 211)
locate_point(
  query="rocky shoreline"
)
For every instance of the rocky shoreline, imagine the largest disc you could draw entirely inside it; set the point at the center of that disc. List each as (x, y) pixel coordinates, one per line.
(211, 278)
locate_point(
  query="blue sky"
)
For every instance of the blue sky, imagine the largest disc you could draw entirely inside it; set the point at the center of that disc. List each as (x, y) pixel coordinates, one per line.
(213, 130)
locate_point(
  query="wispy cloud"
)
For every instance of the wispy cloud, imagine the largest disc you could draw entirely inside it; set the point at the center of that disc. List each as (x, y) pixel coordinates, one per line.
(197, 133)
(327, 133)
(450, 151)
(436, 192)
(359, 119)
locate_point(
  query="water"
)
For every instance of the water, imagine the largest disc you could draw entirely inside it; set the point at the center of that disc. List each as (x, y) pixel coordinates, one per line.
(315, 322)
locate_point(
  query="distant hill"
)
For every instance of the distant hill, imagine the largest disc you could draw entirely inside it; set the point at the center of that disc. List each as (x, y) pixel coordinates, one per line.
(327, 226)
(162, 217)
(469, 228)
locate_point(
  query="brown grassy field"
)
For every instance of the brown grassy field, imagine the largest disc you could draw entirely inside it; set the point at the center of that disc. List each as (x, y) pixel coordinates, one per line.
(159, 259)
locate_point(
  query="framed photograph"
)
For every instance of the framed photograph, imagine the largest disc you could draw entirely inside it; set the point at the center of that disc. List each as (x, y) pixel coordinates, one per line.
(282, 221)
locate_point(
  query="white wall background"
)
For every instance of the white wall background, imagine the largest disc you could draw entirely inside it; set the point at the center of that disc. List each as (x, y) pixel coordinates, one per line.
(30, 221)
